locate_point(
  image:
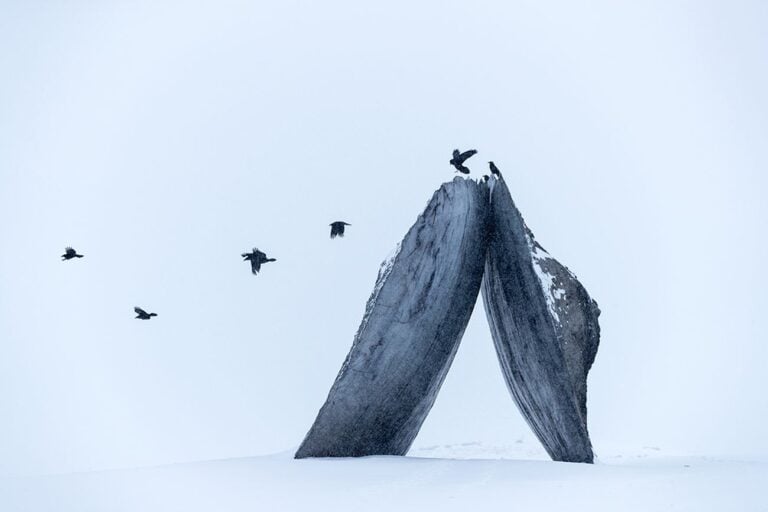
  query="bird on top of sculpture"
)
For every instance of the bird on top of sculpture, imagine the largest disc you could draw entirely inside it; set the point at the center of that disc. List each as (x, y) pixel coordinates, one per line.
(459, 158)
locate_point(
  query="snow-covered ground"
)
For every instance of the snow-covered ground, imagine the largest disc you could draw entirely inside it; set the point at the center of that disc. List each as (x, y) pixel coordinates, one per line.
(648, 481)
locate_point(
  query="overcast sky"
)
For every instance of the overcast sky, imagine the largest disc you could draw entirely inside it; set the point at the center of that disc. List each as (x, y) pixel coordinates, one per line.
(162, 141)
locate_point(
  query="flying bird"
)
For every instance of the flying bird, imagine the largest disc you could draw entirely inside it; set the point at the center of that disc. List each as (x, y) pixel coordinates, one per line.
(459, 158)
(494, 170)
(337, 228)
(143, 315)
(70, 253)
(256, 257)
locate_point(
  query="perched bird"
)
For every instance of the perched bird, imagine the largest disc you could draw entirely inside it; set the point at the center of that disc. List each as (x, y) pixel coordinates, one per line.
(494, 169)
(143, 315)
(337, 228)
(70, 253)
(256, 257)
(486, 178)
(459, 158)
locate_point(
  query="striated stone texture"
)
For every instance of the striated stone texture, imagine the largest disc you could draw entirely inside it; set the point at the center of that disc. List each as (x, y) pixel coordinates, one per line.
(414, 321)
(544, 326)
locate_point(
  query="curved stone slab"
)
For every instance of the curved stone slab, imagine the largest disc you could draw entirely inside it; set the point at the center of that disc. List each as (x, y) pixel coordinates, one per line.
(544, 326)
(412, 326)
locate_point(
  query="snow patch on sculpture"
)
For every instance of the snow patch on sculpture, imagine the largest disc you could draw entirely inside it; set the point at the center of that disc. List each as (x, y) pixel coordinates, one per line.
(384, 270)
(552, 291)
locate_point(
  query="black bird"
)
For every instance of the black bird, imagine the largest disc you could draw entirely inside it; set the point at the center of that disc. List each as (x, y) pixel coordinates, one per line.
(494, 169)
(459, 158)
(70, 253)
(143, 315)
(486, 178)
(337, 228)
(256, 257)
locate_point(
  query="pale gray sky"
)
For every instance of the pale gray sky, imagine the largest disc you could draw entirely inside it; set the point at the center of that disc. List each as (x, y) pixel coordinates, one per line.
(163, 140)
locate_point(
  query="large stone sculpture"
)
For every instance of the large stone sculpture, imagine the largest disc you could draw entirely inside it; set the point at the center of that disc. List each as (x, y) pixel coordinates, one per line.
(411, 330)
(543, 324)
(545, 329)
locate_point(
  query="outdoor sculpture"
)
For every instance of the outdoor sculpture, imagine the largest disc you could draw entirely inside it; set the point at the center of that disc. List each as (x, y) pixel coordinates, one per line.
(543, 323)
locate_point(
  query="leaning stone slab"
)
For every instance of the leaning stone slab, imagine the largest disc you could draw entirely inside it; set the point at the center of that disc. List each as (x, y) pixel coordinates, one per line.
(413, 323)
(544, 326)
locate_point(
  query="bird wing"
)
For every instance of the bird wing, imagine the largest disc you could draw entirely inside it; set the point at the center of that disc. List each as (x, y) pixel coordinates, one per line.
(334, 230)
(255, 266)
(139, 311)
(465, 155)
(456, 154)
(69, 251)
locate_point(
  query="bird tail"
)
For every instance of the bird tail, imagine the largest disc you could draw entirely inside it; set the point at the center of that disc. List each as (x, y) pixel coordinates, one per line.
(78, 255)
(153, 314)
(270, 259)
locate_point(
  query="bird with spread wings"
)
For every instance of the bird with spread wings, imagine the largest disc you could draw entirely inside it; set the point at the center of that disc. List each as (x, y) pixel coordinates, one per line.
(337, 228)
(459, 158)
(143, 315)
(257, 258)
(70, 253)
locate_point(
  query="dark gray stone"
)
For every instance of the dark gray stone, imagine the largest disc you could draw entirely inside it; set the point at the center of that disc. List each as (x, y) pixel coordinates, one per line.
(544, 326)
(410, 332)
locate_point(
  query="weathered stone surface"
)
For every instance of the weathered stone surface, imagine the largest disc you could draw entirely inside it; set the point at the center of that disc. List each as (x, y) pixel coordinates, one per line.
(410, 332)
(544, 326)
